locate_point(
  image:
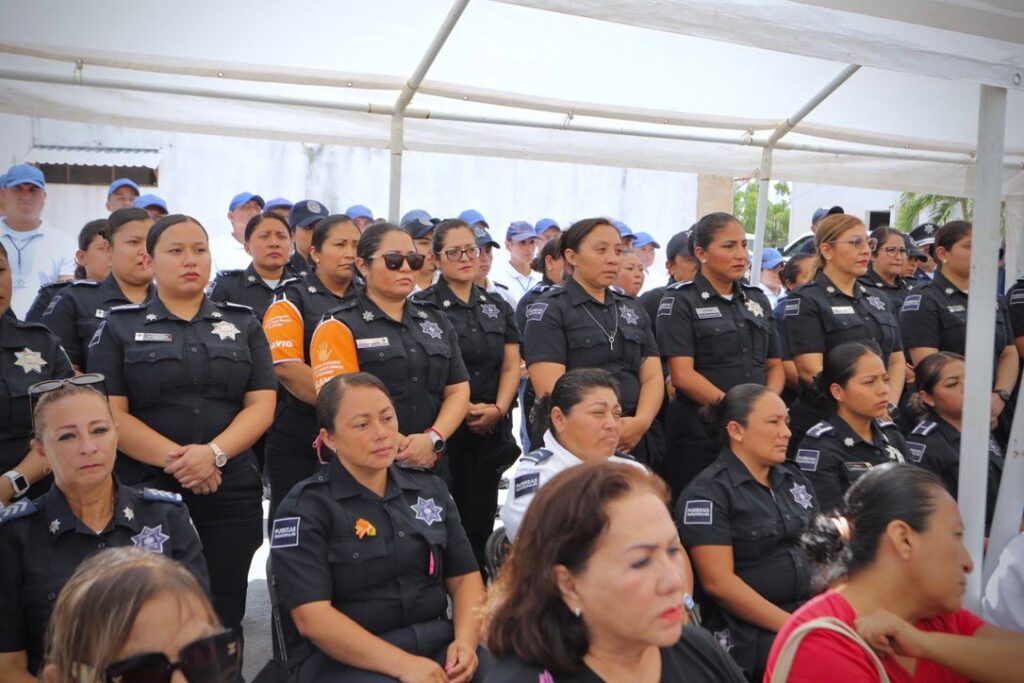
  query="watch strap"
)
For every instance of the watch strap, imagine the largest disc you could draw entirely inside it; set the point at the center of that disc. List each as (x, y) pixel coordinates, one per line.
(18, 482)
(220, 458)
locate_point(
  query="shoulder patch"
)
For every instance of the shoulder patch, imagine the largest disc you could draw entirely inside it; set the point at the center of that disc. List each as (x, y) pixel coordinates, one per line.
(538, 456)
(22, 508)
(911, 303)
(924, 428)
(916, 451)
(792, 307)
(123, 308)
(84, 283)
(535, 312)
(285, 533)
(525, 484)
(666, 305)
(161, 496)
(698, 512)
(821, 428)
(807, 459)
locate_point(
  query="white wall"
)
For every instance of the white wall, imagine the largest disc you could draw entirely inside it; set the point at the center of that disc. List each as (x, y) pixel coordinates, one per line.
(200, 173)
(805, 199)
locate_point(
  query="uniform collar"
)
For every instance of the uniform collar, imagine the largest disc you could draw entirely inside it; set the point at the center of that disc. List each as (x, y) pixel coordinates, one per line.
(706, 291)
(60, 519)
(845, 433)
(739, 473)
(12, 336)
(559, 451)
(343, 485)
(831, 289)
(408, 315)
(875, 280)
(947, 287)
(443, 293)
(578, 295)
(155, 307)
(949, 432)
(253, 278)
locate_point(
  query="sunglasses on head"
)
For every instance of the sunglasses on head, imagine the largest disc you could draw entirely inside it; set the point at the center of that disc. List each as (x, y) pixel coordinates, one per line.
(214, 659)
(36, 390)
(394, 261)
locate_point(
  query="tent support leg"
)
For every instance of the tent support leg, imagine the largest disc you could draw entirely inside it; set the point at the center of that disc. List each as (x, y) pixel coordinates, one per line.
(981, 320)
(764, 186)
(397, 147)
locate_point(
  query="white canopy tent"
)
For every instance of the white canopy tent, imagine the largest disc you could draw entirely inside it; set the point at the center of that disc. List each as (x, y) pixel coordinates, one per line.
(919, 95)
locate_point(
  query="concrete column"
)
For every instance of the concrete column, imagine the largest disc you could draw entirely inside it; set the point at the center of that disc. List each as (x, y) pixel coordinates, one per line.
(714, 193)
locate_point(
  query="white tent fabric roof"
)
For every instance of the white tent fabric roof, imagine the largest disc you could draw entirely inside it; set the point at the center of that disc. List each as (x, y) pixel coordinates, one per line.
(571, 79)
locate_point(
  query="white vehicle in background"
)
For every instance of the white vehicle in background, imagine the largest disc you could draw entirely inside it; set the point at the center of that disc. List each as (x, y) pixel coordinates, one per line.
(796, 244)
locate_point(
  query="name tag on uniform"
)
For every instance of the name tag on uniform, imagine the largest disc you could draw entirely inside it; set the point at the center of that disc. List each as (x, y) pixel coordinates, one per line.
(372, 342)
(843, 310)
(153, 337)
(709, 313)
(100, 313)
(956, 308)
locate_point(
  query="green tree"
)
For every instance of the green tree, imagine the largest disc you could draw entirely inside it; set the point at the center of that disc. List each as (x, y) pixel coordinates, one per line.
(939, 209)
(744, 207)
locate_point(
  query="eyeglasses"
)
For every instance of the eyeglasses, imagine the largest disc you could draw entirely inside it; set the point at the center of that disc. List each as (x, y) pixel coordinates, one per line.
(214, 659)
(858, 242)
(892, 252)
(394, 261)
(36, 391)
(456, 254)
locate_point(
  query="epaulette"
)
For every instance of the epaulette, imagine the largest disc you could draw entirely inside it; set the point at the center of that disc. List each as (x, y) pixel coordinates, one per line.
(287, 281)
(817, 430)
(538, 456)
(624, 456)
(884, 424)
(161, 496)
(26, 325)
(59, 284)
(84, 283)
(924, 428)
(680, 284)
(498, 284)
(541, 287)
(232, 305)
(749, 286)
(345, 305)
(23, 508)
(231, 271)
(127, 307)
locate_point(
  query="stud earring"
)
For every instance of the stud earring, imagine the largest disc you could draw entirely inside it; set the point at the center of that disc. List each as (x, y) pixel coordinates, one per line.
(577, 611)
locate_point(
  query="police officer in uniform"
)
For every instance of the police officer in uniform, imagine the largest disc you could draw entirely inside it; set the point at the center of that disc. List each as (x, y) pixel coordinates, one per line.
(580, 421)
(192, 386)
(741, 520)
(681, 266)
(411, 347)
(302, 219)
(76, 313)
(833, 308)
(29, 353)
(716, 332)
(887, 261)
(43, 540)
(366, 554)
(934, 316)
(289, 324)
(93, 259)
(585, 324)
(488, 338)
(857, 435)
(268, 240)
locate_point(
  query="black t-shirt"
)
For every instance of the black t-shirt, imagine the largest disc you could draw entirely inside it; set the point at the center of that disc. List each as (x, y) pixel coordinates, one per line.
(696, 658)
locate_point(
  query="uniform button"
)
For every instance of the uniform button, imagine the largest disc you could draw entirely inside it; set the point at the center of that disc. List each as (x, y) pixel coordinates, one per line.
(193, 349)
(754, 532)
(740, 324)
(380, 354)
(788, 517)
(717, 330)
(195, 381)
(101, 545)
(476, 372)
(415, 379)
(412, 350)
(472, 329)
(51, 596)
(746, 350)
(319, 477)
(401, 534)
(152, 355)
(234, 354)
(587, 340)
(355, 556)
(746, 374)
(195, 411)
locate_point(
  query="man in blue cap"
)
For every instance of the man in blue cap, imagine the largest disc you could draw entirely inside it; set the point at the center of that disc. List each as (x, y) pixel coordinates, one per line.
(228, 251)
(644, 246)
(121, 193)
(808, 247)
(360, 215)
(155, 206)
(36, 253)
(547, 229)
(626, 233)
(770, 282)
(521, 241)
(474, 219)
(279, 205)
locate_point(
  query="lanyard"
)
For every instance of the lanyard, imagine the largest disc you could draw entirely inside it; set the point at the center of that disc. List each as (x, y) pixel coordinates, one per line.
(24, 245)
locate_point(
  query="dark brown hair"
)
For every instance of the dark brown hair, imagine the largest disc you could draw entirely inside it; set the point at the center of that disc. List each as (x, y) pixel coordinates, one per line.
(328, 401)
(927, 374)
(948, 235)
(562, 526)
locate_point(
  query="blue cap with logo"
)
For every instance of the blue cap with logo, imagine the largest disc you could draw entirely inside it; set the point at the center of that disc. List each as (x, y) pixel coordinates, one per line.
(21, 174)
(123, 182)
(305, 213)
(624, 230)
(771, 258)
(484, 239)
(359, 211)
(643, 239)
(471, 217)
(546, 224)
(145, 201)
(520, 231)
(244, 197)
(418, 223)
(825, 211)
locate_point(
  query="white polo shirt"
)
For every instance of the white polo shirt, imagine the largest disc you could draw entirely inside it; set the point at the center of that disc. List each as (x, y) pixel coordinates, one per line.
(37, 257)
(517, 283)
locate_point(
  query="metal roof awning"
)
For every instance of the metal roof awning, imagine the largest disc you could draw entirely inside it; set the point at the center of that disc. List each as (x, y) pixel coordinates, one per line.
(94, 156)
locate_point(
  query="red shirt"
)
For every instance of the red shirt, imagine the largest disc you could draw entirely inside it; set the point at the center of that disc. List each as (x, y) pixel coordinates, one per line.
(829, 656)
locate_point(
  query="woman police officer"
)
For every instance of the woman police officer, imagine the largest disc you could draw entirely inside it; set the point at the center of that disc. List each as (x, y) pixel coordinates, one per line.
(716, 332)
(741, 521)
(76, 313)
(483, 446)
(586, 324)
(289, 324)
(192, 388)
(93, 263)
(367, 554)
(888, 259)
(412, 348)
(834, 308)
(86, 509)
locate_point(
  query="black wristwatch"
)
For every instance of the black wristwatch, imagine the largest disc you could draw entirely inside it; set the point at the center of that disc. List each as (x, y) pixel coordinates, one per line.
(1003, 394)
(18, 482)
(436, 439)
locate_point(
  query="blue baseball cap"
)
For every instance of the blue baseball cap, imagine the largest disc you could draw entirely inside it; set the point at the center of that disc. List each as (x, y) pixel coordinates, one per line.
(123, 182)
(278, 203)
(520, 231)
(20, 174)
(624, 230)
(471, 217)
(418, 223)
(544, 224)
(771, 258)
(825, 211)
(643, 239)
(147, 200)
(243, 197)
(359, 211)
(484, 239)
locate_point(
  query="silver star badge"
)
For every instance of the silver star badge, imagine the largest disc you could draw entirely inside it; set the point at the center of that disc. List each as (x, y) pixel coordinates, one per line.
(848, 442)
(446, 303)
(311, 289)
(151, 317)
(251, 278)
(704, 295)
(367, 316)
(225, 330)
(129, 514)
(216, 314)
(29, 361)
(830, 289)
(54, 526)
(949, 290)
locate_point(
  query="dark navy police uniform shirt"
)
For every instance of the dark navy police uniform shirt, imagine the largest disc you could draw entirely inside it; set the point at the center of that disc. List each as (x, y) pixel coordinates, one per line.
(246, 287)
(894, 293)
(381, 561)
(46, 295)
(42, 543)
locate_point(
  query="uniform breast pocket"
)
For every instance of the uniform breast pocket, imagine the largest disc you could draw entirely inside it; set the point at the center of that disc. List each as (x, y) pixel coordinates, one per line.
(753, 538)
(14, 404)
(440, 363)
(760, 338)
(717, 342)
(151, 370)
(842, 326)
(357, 565)
(633, 350)
(437, 541)
(230, 368)
(494, 336)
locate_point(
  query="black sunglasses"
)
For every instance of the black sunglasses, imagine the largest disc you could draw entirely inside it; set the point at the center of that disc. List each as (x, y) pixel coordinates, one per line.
(394, 261)
(36, 390)
(214, 659)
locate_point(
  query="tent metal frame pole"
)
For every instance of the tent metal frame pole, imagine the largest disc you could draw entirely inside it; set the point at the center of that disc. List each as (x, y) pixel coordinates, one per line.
(981, 322)
(397, 142)
(765, 170)
(1009, 504)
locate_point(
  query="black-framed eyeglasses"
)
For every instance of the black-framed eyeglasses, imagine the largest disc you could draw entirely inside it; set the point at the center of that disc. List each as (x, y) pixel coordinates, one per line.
(858, 242)
(214, 659)
(456, 254)
(36, 391)
(394, 261)
(892, 252)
